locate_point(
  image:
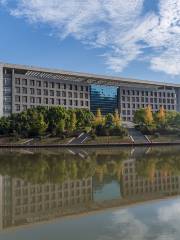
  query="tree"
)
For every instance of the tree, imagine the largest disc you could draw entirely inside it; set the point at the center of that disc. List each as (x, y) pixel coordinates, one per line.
(109, 119)
(73, 121)
(139, 116)
(161, 115)
(4, 125)
(148, 115)
(116, 119)
(60, 127)
(99, 120)
(37, 125)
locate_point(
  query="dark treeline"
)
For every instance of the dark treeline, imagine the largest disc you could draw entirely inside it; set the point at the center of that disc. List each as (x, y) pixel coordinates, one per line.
(41, 120)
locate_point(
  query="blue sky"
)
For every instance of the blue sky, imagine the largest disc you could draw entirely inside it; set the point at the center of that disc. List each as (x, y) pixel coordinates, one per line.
(132, 38)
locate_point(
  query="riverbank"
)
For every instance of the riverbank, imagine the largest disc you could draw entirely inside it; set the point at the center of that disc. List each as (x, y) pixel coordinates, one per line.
(89, 145)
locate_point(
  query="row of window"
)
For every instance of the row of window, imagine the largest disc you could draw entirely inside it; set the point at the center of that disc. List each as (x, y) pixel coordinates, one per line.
(148, 93)
(47, 92)
(19, 81)
(135, 106)
(51, 101)
(24, 99)
(151, 100)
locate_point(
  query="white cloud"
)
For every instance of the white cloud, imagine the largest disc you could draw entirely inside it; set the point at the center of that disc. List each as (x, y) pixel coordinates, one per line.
(119, 26)
(3, 2)
(125, 226)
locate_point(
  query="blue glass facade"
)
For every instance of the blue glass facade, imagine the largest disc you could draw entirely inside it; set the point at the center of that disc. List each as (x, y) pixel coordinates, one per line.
(103, 97)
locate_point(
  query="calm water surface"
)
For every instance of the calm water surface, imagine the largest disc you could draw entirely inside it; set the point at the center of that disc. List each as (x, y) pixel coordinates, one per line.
(102, 194)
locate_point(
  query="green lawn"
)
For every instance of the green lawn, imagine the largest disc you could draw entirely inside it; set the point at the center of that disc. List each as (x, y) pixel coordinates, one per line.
(53, 140)
(165, 138)
(110, 139)
(11, 140)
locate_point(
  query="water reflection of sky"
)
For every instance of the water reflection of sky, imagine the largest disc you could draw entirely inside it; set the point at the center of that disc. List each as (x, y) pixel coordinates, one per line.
(158, 221)
(107, 192)
(105, 91)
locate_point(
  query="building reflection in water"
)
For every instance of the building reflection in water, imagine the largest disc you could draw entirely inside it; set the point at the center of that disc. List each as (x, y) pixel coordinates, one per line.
(23, 202)
(102, 178)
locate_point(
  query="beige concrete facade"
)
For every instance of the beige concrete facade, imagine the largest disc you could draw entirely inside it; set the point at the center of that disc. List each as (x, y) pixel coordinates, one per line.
(23, 87)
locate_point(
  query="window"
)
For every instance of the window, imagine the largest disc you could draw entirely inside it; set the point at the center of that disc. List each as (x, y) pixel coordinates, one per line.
(64, 102)
(46, 100)
(75, 87)
(24, 82)
(64, 86)
(38, 100)
(70, 94)
(31, 90)
(75, 95)
(45, 92)
(70, 102)
(17, 107)
(81, 95)
(87, 88)
(18, 90)
(51, 84)
(76, 102)
(58, 85)
(38, 91)
(45, 84)
(51, 100)
(82, 103)
(24, 90)
(70, 86)
(32, 100)
(17, 81)
(17, 98)
(58, 93)
(86, 95)
(24, 107)
(87, 103)
(58, 101)
(38, 83)
(24, 99)
(64, 94)
(31, 82)
(51, 92)
(82, 88)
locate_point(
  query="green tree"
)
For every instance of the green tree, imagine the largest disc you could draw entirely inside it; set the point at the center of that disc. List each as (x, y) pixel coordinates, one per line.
(109, 119)
(60, 128)
(37, 125)
(139, 116)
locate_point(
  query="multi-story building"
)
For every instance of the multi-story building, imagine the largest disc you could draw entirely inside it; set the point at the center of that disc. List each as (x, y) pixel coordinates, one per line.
(23, 87)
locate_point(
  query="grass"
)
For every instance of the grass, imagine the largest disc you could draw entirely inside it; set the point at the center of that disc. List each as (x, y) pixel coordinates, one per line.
(110, 139)
(13, 140)
(164, 138)
(53, 140)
